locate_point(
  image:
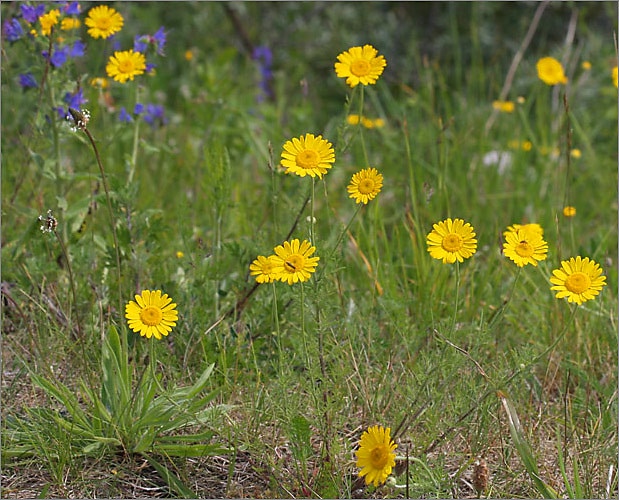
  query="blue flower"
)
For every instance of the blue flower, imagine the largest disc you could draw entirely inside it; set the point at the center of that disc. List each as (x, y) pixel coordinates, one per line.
(71, 8)
(59, 56)
(32, 14)
(140, 43)
(75, 100)
(77, 49)
(150, 67)
(12, 30)
(263, 55)
(159, 39)
(138, 109)
(124, 116)
(26, 80)
(155, 115)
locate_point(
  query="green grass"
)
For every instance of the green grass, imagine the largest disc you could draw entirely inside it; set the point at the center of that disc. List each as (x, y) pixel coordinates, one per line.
(463, 363)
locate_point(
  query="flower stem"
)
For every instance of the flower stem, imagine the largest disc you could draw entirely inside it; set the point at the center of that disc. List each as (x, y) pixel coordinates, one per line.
(453, 320)
(111, 213)
(365, 153)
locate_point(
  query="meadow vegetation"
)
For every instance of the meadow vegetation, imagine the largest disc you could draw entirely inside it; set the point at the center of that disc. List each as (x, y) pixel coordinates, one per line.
(245, 255)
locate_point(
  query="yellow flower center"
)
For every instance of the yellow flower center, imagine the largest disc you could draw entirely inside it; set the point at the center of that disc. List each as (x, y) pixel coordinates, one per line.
(379, 457)
(578, 282)
(360, 67)
(151, 316)
(366, 186)
(125, 66)
(452, 242)
(524, 249)
(294, 263)
(307, 159)
(104, 23)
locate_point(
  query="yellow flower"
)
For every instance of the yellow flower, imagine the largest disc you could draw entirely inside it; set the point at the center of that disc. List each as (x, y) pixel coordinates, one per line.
(575, 153)
(614, 75)
(48, 21)
(569, 211)
(99, 82)
(526, 145)
(578, 280)
(451, 240)
(125, 65)
(367, 122)
(188, 55)
(525, 246)
(521, 100)
(353, 119)
(293, 262)
(503, 106)
(365, 185)
(308, 155)
(179, 254)
(586, 65)
(375, 456)
(533, 227)
(152, 314)
(262, 268)
(70, 23)
(379, 122)
(103, 21)
(360, 65)
(550, 71)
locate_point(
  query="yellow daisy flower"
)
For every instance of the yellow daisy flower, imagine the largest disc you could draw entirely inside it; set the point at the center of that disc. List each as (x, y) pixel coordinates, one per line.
(308, 155)
(365, 185)
(451, 240)
(152, 314)
(533, 227)
(375, 456)
(504, 106)
(125, 65)
(360, 65)
(525, 246)
(550, 71)
(48, 21)
(70, 23)
(353, 119)
(103, 21)
(569, 211)
(262, 268)
(578, 280)
(293, 262)
(615, 76)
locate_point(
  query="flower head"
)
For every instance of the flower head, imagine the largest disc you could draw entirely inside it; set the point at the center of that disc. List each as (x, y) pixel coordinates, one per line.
(70, 23)
(360, 65)
(26, 80)
(550, 71)
(569, 211)
(103, 21)
(12, 30)
(125, 65)
(452, 240)
(48, 21)
(533, 226)
(262, 268)
(49, 223)
(308, 155)
(152, 314)
(31, 13)
(615, 76)
(293, 262)
(375, 456)
(525, 246)
(578, 280)
(365, 185)
(503, 106)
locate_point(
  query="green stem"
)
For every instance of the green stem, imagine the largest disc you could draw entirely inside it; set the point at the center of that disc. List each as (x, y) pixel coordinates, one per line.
(280, 353)
(360, 125)
(111, 213)
(303, 332)
(136, 140)
(453, 320)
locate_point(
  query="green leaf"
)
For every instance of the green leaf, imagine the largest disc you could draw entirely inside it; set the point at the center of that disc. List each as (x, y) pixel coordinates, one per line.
(523, 448)
(171, 479)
